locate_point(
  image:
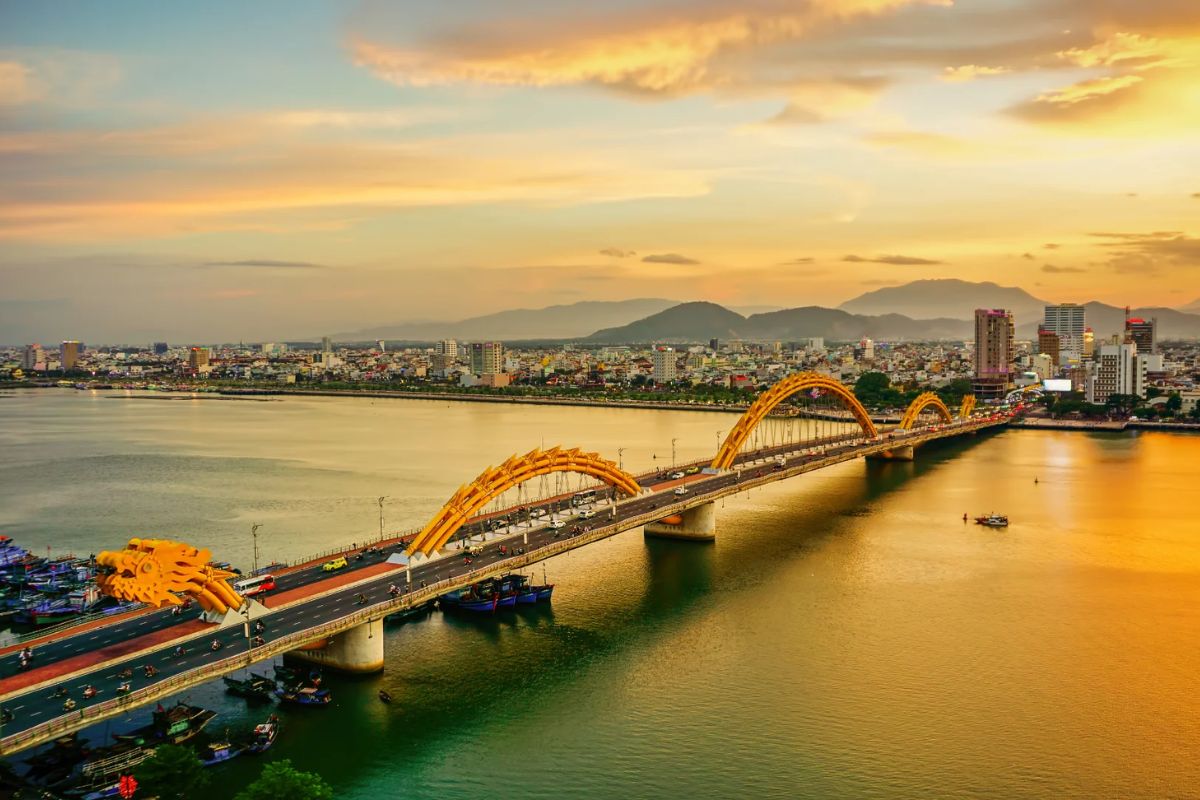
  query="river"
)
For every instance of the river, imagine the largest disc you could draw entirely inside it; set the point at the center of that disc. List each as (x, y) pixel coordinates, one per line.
(846, 636)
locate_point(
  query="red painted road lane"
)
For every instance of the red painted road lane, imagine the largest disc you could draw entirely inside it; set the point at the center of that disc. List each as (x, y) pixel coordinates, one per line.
(91, 658)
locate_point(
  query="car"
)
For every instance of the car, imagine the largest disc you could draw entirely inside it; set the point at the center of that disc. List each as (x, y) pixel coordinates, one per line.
(692, 471)
(475, 550)
(676, 476)
(336, 564)
(681, 490)
(587, 513)
(558, 523)
(537, 512)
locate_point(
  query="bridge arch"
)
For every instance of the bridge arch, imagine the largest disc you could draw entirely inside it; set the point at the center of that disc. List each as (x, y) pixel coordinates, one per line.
(968, 406)
(924, 401)
(495, 481)
(772, 397)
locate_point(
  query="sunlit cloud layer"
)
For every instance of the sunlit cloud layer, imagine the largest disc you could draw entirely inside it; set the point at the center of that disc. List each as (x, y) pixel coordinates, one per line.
(432, 156)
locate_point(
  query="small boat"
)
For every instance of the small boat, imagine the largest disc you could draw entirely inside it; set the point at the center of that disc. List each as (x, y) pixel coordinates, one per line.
(255, 688)
(304, 696)
(416, 612)
(292, 676)
(993, 521)
(219, 752)
(172, 726)
(264, 735)
(544, 591)
(385, 696)
(471, 599)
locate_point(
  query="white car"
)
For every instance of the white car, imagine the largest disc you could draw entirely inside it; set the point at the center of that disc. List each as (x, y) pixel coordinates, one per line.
(558, 523)
(587, 513)
(537, 512)
(676, 476)
(680, 490)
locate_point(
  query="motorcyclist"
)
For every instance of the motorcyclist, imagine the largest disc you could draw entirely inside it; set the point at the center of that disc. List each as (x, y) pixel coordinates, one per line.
(360, 599)
(216, 645)
(89, 692)
(179, 651)
(123, 687)
(69, 704)
(393, 589)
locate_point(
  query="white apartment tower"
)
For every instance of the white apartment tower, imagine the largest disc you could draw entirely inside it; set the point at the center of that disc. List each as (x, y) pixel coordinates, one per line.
(1067, 321)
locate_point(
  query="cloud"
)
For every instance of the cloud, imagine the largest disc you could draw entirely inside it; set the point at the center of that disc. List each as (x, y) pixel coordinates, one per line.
(818, 100)
(16, 84)
(616, 252)
(1056, 270)
(1051, 246)
(657, 51)
(668, 258)
(879, 282)
(795, 262)
(1196, 195)
(1029, 256)
(902, 261)
(970, 72)
(265, 263)
(1150, 252)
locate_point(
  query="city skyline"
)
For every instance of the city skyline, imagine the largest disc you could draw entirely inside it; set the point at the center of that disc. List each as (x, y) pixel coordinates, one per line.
(268, 171)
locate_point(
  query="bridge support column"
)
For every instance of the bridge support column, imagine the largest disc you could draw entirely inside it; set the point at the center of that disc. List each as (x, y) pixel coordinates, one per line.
(698, 524)
(900, 453)
(358, 650)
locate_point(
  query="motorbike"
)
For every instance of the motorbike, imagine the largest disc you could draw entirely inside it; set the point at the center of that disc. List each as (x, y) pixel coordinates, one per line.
(69, 705)
(61, 691)
(123, 688)
(89, 692)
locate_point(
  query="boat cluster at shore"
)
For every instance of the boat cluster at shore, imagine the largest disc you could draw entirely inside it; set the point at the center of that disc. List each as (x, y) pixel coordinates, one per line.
(36, 591)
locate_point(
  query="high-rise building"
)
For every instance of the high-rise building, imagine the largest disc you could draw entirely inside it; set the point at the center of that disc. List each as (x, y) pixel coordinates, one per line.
(664, 365)
(33, 356)
(446, 347)
(197, 358)
(160, 348)
(1116, 371)
(1142, 333)
(1048, 344)
(994, 334)
(487, 358)
(714, 344)
(326, 344)
(1066, 320)
(69, 354)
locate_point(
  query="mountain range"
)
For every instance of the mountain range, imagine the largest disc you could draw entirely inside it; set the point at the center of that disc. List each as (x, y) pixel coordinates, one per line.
(925, 309)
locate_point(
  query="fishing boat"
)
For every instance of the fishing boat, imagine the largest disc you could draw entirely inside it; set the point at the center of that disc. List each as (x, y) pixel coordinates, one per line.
(218, 753)
(993, 520)
(409, 614)
(170, 725)
(292, 676)
(304, 696)
(471, 599)
(265, 734)
(254, 688)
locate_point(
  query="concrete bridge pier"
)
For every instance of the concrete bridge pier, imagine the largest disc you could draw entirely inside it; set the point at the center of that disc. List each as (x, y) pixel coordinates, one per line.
(698, 523)
(358, 650)
(901, 453)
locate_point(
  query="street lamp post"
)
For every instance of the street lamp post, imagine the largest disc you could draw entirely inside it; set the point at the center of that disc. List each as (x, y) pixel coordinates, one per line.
(381, 499)
(254, 536)
(673, 441)
(620, 458)
(719, 440)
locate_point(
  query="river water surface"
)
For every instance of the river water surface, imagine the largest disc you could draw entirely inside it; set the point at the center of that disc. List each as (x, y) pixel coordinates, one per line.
(846, 636)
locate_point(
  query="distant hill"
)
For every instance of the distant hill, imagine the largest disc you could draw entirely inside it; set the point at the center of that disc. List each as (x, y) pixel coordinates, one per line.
(698, 322)
(947, 298)
(687, 322)
(1191, 308)
(552, 322)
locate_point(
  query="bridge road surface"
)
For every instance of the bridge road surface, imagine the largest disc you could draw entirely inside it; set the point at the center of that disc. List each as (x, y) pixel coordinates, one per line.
(34, 707)
(91, 638)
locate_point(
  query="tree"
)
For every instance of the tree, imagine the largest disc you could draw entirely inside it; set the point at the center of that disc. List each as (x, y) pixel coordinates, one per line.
(172, 773)
(1174, 403)
(280, 779)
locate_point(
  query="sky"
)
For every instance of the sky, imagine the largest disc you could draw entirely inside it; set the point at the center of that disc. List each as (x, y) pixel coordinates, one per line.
(268, 170)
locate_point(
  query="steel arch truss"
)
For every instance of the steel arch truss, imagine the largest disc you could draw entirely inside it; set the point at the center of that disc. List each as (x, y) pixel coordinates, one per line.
(968, 406)
(924, 401)
(495, 481)
(772, 397)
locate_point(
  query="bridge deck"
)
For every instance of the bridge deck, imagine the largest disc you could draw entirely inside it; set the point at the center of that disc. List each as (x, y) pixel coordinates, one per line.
(325, 608)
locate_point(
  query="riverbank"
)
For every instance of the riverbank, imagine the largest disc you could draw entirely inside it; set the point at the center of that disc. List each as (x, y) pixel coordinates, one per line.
(1108, 425)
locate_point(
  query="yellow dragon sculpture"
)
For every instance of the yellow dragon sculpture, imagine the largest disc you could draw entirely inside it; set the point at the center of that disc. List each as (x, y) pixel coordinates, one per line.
(156, 571)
